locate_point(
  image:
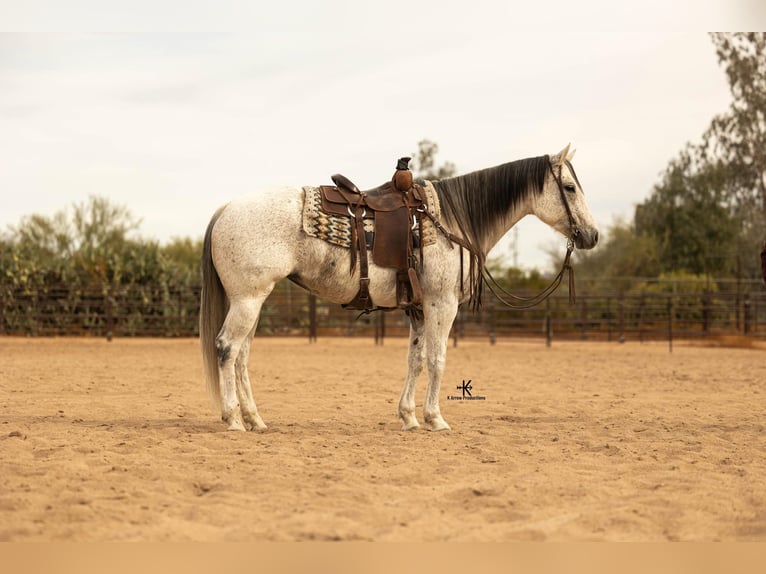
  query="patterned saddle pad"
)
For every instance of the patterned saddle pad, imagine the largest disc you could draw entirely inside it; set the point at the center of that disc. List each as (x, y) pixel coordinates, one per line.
(336, 229)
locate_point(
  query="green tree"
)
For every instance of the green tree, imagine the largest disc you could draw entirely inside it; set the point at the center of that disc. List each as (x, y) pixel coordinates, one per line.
(623, 257)
(735, 142)
(424, 164)
(708, 214)
(183, 254)
(38, 249)
(515, 279)
(101, 235)
(93, 243)
(689, 217)
(737, 137)
(86, 268)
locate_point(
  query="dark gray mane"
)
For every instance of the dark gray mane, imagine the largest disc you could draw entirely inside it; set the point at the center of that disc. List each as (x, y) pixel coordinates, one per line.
(477, 202)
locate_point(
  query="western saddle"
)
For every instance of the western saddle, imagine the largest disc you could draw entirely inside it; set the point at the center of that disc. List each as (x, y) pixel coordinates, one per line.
(396, 207)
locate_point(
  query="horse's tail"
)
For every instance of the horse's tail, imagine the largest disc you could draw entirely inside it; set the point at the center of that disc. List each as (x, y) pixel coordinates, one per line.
(212, 312)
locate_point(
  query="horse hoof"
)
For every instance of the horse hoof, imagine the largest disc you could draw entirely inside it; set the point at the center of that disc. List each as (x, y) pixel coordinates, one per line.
(437, 424)
(409, 422)
(235, 425)
(256, 424)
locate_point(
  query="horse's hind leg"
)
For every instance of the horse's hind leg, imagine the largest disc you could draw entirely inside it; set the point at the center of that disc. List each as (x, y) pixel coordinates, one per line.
(250, 415)
(416, 359)
(234, 336)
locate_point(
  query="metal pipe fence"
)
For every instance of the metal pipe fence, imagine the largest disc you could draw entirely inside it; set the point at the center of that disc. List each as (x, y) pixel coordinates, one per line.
(152, 310)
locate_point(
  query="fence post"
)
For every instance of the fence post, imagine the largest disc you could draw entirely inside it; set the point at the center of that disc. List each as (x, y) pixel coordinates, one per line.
(609, 319)
(584, 319)
(110, 314)
(36, 312)
(380, 327)
(179, 314)
(621, 311)
(351, 324)
(706, 312)
(746, 305)
(312, 318)
(491, 311)
(670, 324)
(548, 326)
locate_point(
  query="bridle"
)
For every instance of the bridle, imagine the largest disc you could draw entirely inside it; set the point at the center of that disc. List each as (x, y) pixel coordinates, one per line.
(574, 230)
(514, 301)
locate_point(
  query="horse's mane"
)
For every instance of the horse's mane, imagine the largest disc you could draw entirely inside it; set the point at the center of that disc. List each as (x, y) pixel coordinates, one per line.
(476, 203)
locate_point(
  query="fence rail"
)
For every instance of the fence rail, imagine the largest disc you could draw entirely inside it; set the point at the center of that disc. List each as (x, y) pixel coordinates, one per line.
(148, 310)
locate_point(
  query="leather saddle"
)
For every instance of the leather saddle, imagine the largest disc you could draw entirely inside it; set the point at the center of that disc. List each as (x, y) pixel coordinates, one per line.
(396, 208)
(382, 198)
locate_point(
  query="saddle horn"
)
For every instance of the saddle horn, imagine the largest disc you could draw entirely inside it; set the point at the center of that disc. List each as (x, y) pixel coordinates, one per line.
(402, 176)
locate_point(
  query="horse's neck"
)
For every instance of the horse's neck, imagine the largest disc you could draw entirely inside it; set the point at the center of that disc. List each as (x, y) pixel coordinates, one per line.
(506, 222)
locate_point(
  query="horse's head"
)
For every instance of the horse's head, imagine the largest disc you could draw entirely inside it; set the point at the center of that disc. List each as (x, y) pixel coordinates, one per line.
(562, 203)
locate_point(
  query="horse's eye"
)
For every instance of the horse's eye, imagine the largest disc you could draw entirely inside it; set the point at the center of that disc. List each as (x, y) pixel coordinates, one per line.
(570, 188)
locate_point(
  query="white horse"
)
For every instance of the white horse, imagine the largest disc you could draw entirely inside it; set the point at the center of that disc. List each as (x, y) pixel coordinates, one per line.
(253, 242)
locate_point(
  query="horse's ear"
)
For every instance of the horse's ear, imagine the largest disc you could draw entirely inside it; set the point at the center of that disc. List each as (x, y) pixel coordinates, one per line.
(571, 154)
(560, 157)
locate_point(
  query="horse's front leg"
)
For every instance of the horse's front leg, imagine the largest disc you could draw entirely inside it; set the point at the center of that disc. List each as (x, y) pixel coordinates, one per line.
(415, 362)
(439, 316)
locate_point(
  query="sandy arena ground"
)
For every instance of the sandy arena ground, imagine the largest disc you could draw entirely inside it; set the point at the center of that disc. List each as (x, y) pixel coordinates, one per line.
(582, 441)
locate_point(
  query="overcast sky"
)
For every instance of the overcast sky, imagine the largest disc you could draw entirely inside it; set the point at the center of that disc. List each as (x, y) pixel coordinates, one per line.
(175, 124)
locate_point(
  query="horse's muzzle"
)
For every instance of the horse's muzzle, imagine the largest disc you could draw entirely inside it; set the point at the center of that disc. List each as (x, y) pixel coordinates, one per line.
(585, 239)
